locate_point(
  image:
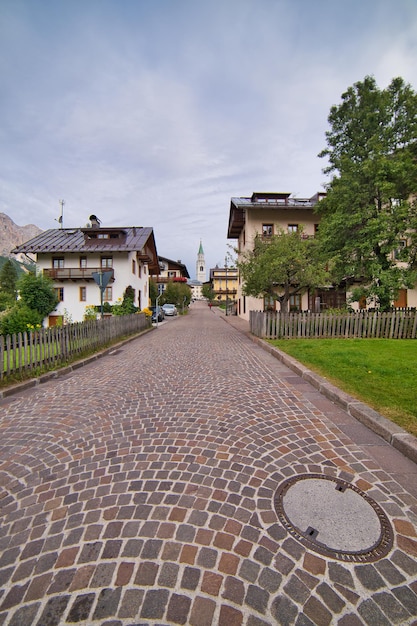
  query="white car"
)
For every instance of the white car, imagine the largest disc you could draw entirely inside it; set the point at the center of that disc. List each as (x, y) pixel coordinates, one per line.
(170, 309)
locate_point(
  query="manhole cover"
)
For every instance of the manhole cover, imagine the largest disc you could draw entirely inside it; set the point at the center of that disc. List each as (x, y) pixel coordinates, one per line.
(334, 518)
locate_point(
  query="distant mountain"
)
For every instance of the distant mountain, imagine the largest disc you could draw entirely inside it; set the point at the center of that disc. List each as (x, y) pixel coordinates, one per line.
(12, 235)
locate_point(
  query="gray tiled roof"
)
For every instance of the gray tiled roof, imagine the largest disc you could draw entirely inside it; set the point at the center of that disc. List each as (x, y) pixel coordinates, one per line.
(54, 240)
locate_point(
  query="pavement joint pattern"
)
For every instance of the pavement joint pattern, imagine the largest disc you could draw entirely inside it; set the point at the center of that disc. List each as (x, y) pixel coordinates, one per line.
(140, 488)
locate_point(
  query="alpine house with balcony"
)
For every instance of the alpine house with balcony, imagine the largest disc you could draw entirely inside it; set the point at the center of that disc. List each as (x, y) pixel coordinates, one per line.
(265, 214)
(73, 257)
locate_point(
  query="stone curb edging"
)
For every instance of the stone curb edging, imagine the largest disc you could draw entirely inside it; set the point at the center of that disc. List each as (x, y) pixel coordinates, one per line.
(63, 371)
(390, 432)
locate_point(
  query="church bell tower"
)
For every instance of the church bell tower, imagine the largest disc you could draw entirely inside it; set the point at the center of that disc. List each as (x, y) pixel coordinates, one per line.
(201, 265)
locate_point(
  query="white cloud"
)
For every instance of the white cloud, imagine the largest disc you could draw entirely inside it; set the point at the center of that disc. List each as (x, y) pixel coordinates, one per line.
(157, 113)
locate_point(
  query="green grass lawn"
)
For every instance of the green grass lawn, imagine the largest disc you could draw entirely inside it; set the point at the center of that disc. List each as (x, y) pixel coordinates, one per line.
(380, 372)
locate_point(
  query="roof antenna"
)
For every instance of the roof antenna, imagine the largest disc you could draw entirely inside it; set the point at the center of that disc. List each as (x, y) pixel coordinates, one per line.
(60, 219)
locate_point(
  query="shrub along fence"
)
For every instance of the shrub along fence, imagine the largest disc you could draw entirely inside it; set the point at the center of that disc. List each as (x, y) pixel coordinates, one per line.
(398, 324)
(48, 347)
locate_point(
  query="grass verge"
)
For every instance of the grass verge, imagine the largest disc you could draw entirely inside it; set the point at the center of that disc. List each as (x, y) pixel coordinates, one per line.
(380, 372)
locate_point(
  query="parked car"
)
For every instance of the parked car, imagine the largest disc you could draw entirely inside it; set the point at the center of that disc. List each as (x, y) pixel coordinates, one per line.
(170, 309)
(161, 313)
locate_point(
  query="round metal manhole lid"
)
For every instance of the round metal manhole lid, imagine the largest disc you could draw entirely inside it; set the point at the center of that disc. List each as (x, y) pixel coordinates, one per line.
(333, 517)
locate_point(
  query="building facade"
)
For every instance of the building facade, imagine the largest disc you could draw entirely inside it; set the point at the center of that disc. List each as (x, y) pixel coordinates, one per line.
(169, 270)
(76, 258)
(266, 214)
(224, 286)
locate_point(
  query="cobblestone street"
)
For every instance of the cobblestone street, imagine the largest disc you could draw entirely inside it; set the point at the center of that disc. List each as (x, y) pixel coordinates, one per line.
(142, 489)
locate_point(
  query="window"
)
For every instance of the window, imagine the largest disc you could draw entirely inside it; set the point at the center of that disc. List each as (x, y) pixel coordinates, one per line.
(267, 230)
(83, 262)
(133, 266)
(292, 228)
(140, 270)
(83, 294)
(106, 261)
(103, 236)
(58, 263)
(173, 274)
(269, 303)
(295, 302)
(59, 293)
(399, 252)
(108, 294)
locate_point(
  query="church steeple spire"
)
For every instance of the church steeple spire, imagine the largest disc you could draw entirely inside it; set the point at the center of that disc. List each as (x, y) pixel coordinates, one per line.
(201, 265)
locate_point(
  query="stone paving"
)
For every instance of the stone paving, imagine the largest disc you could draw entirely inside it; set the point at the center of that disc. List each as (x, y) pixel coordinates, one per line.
(139, 489)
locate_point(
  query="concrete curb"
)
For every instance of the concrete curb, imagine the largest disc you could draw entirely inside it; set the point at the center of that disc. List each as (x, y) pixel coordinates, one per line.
(390, 432)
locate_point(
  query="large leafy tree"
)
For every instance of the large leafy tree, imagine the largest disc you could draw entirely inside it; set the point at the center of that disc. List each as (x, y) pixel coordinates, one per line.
(370, 208)
(286, 264)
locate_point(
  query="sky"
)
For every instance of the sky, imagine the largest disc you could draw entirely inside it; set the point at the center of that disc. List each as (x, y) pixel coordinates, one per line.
(157, 112)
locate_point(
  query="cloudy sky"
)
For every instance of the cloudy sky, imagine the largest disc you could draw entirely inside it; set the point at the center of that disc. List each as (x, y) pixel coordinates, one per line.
(156, 112)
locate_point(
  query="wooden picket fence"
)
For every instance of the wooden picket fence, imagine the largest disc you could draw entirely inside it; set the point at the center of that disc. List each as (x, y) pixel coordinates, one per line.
(48, 347)
(398, 324)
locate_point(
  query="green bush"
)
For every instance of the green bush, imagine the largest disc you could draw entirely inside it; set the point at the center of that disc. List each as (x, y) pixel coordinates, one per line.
(37, 292)
(19, 319)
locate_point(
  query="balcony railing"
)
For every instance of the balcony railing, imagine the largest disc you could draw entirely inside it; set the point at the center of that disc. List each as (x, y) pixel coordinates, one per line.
(230, 290)
(75, 273)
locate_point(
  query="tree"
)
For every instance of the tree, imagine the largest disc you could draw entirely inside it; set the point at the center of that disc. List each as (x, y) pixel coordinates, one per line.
(37, 293)
(208, 292)
(153, 290)
(369, 212)
(8, 280)
(287, 264)
(177, 293)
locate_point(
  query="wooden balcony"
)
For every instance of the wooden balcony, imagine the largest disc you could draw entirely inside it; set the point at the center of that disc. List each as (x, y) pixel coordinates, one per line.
(75, 273)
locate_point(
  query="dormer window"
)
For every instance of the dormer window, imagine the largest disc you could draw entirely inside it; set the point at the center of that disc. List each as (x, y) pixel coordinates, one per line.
(105, 235)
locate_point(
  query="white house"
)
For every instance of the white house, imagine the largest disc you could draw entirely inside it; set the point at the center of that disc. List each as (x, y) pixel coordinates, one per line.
(75, 257)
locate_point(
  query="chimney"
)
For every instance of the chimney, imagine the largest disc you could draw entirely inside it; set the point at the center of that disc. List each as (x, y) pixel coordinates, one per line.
(95, 222)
